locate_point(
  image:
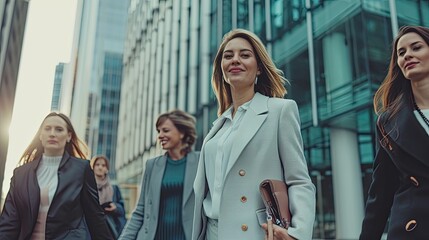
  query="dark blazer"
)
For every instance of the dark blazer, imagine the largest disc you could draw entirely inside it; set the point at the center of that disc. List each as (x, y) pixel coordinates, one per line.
(74, 205)
(400, 185)
(116, 219)
(144, 219)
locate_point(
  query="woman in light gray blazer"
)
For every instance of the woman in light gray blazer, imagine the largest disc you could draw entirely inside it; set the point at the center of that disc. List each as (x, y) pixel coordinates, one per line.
(257, 136)
(166, 204)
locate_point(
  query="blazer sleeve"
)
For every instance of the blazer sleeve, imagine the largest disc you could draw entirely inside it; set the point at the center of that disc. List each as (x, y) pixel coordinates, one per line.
(301, 191)
(135, 223)
(119, 202)
(10, 223)
(385, 181)
(94, 214)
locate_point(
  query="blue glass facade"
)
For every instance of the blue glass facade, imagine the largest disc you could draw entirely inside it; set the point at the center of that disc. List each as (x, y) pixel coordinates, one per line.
(56, 92)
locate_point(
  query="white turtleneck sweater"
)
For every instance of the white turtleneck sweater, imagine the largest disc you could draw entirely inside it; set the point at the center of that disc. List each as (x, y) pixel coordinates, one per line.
(47, 177)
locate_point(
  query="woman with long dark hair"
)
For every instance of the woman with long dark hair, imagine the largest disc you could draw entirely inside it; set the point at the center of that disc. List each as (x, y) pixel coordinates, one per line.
(400, 183)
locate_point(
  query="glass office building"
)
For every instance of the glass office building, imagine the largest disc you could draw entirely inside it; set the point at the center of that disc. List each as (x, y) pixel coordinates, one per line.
(92, 79)
(56, 91)
(334, 53)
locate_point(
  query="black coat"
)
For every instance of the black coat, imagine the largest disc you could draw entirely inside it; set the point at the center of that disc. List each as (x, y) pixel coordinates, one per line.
(74, 208)
(400, 185)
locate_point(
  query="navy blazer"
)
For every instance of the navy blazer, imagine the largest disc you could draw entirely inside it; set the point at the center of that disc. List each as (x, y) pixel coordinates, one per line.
(400, 185)
(74, 208)
(116, 219)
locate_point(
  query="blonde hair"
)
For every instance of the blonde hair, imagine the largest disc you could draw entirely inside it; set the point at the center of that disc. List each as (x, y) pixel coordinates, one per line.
(270, 81)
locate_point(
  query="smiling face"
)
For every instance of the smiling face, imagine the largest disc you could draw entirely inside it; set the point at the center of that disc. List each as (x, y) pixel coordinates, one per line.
(169, 136)
(239, 63)
(413, 56)
(54, 136)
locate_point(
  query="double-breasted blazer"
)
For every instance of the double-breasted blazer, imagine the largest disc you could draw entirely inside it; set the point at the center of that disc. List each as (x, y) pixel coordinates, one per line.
(400, 183)
(268, 145)
(144, 220)
(74, 208)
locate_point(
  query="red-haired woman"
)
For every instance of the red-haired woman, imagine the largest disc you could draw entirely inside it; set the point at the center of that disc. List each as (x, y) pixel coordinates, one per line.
(53, 194)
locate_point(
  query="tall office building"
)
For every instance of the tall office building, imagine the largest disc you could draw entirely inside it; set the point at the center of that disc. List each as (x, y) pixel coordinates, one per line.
(334, 53)
(13, 15)
(56, 91)
(91, 88)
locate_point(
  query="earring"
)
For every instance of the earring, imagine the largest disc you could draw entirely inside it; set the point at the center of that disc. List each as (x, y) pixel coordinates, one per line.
(256, 80)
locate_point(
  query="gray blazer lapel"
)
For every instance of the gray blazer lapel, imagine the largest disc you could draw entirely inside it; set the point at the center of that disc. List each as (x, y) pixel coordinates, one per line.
(156, 175)
(191, 169)
(250, 124)
(216, 126)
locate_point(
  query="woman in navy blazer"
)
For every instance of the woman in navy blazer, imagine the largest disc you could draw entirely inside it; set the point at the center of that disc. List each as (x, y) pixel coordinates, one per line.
(400, 182)
(53, 195)
(109, 195)
(166, 204)
(257, 136)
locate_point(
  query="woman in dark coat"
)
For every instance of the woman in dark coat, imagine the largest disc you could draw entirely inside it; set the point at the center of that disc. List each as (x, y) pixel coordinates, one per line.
(109, 195)
(53, 194)
(400, 185)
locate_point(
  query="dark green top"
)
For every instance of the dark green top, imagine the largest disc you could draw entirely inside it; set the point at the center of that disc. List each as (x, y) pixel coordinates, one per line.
(170, 207)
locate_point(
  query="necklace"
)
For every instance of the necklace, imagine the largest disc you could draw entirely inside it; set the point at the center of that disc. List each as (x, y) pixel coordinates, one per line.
(421, 114)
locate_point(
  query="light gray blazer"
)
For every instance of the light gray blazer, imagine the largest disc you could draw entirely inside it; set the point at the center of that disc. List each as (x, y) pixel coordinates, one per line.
(144, 219)
(269, 138)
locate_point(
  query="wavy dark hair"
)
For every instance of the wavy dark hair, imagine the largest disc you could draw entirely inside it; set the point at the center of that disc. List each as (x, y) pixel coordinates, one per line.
(75, 147)
(395, 87)
(185, 123)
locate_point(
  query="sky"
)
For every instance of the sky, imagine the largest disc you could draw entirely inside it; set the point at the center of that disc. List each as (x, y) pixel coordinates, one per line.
(48, 40)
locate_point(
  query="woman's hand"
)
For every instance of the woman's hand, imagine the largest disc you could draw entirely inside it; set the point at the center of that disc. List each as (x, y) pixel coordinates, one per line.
(274, 232)
(110, 208)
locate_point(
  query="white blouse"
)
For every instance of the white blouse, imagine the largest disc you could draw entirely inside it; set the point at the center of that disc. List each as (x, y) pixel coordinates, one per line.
(216, 156)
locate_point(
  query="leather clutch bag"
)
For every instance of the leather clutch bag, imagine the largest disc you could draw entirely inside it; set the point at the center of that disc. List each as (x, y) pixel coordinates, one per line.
(275, 197)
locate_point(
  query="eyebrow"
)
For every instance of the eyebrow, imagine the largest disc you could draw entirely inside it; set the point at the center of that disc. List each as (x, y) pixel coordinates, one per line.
(412, 44)
(241, 50)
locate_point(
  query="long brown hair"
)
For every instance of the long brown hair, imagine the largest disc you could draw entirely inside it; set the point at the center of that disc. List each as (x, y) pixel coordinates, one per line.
(185, 123)
(270, 81)
(395, 87)
(75, 147)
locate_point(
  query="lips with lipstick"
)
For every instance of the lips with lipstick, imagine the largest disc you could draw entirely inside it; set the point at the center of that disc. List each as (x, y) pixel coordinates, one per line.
(235, 70)
(410, 65)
